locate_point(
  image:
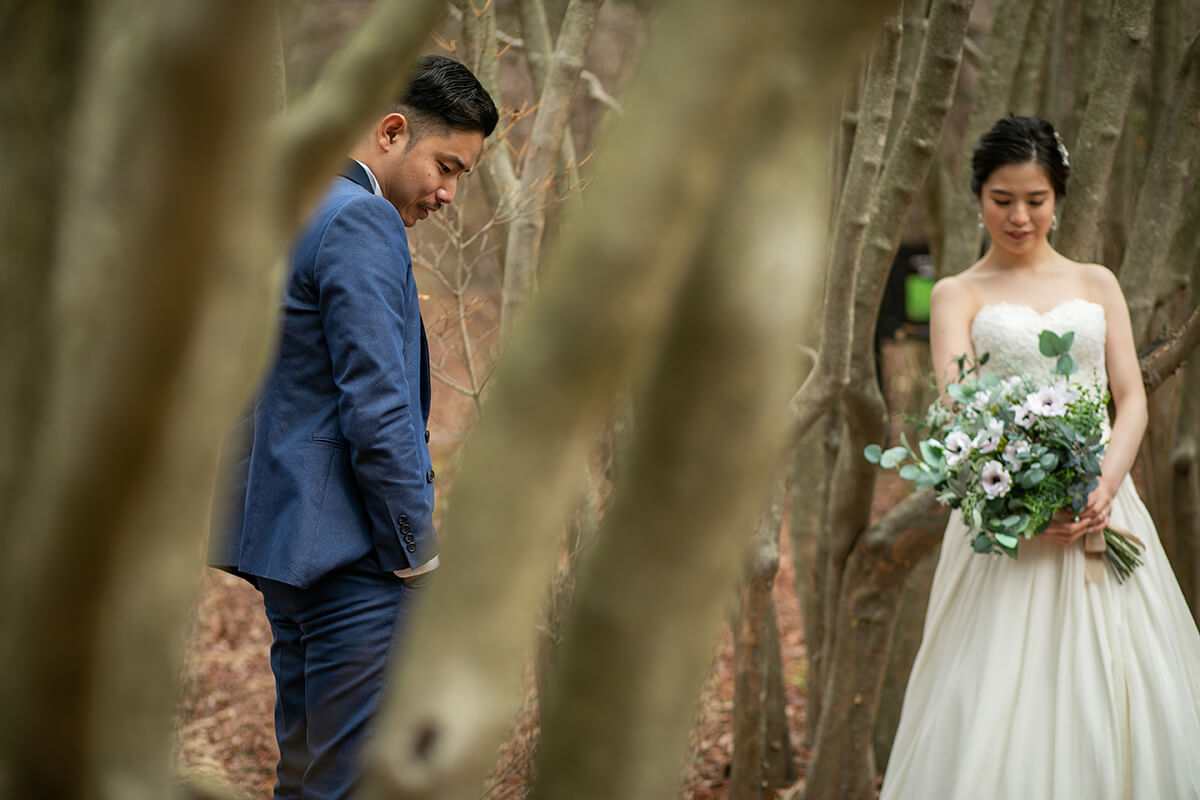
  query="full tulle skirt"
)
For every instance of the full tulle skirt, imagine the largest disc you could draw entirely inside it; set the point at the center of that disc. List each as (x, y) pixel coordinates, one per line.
(1033, 683)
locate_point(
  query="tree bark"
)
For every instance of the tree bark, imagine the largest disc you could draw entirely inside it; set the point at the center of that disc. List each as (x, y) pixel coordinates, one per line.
(753, 653)
(550, 394)
(960, 247)
(523, 250)
(813, 461)
(1172, 163)
(862, 403)
(626, 633)
(1030, 87)
(161, 305)
(829, 377)
(1095, 147)
(874, 578)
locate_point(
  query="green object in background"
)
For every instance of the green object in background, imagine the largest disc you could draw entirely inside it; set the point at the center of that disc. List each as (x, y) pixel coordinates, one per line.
(917, 289)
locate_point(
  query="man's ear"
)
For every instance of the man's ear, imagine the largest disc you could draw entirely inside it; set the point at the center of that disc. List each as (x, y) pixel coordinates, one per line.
(392, 130)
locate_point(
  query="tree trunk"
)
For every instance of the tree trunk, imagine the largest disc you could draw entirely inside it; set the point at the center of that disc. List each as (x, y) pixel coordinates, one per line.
(753, 654)
(872, 583)
(522, 253)
(813, 461)
(1095, 147)
(993, 89)
(1176, 152)
(862, 403)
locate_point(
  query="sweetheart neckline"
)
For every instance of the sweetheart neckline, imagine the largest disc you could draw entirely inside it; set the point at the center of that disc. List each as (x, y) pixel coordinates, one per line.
(1048, 311)
(1033, 310)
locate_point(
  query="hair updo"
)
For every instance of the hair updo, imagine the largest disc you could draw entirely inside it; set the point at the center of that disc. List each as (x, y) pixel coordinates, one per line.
(1020, 140)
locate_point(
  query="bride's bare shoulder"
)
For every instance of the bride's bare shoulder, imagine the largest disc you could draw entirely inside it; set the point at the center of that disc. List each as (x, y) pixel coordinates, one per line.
(955, 293)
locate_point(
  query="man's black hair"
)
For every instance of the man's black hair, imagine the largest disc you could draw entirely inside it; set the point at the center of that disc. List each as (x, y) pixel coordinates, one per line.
(445, 92)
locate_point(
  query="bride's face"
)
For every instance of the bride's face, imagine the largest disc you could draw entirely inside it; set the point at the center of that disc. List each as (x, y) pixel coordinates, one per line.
(1017, 203)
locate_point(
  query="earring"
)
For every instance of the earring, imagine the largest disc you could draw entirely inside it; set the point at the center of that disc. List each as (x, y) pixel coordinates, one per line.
(979, 218)
(1053, 222)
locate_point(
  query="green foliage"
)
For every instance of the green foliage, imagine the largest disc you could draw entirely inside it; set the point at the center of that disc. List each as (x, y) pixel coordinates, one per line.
(1008, 453)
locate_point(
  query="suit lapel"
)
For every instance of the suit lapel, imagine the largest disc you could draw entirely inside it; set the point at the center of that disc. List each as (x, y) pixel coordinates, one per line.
(352, 170)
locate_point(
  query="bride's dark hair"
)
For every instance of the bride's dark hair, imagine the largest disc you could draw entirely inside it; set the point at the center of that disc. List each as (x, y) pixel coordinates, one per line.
(1019, 140)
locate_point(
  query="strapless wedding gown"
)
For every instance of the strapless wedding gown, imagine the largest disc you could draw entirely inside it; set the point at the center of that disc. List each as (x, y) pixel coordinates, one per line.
(1031, 683)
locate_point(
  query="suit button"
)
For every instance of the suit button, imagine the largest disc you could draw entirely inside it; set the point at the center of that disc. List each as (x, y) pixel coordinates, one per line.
(412, 548)
(402, 520)
(429, 476)
(426, 436)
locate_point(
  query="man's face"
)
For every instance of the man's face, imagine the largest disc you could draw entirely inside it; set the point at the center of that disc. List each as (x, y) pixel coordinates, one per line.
(419, 177)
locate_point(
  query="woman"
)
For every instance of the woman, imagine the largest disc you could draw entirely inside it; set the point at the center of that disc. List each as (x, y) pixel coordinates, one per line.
(1032, 682)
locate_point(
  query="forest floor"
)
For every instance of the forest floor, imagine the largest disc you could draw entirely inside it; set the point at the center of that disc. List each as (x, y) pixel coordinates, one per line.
(224, 727)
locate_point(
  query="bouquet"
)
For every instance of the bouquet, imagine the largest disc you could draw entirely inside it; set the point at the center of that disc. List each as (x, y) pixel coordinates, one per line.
(1008, 453)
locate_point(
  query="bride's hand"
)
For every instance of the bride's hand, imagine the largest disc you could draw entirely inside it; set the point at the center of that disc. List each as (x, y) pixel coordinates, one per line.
(1065, 529)
(1099, 507)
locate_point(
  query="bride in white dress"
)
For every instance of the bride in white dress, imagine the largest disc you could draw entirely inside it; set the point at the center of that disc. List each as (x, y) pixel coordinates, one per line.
(1032, 682)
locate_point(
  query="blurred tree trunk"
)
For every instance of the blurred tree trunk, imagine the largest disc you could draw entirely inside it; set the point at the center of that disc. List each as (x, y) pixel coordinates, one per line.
(153, 255)
(666, 540)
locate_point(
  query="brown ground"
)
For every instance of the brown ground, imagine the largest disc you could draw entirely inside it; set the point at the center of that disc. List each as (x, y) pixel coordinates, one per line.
(225, 717)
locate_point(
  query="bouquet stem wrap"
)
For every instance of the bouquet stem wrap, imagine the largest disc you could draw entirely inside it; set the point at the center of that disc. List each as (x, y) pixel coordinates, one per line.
(1120, 549)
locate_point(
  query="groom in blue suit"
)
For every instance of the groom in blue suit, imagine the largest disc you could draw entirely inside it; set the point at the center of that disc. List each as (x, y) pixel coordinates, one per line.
(331, 507)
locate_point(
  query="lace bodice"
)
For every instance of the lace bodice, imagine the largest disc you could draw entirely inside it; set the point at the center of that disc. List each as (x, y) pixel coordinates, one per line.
(1010, 333)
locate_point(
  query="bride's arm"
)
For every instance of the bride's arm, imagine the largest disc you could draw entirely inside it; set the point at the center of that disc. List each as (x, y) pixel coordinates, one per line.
(952, 306)
(1129, 397)
(1125, 383)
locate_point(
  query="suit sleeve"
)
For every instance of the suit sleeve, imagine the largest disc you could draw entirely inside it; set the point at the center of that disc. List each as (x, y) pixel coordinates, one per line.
(368, 304)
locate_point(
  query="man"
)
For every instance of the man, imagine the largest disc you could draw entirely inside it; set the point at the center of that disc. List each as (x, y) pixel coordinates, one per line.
(333, 501)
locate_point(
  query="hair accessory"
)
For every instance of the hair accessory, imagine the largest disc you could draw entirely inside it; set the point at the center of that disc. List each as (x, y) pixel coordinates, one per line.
(1062, 150)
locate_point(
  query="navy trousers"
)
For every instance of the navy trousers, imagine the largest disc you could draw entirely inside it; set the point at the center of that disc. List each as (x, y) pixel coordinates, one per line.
(332, 645)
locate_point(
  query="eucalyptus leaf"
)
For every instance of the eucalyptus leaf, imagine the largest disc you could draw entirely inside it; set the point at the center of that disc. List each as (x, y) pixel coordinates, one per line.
(892, 457)
(1048, 461)
(932, 455)
(982, 543)
(1049, 344)
(1066, 365)
(872, 452)
(910, 472)
(927, 480)
(1006, 540)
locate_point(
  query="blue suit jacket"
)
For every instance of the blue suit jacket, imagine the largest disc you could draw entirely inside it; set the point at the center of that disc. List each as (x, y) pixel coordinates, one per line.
(333, 463)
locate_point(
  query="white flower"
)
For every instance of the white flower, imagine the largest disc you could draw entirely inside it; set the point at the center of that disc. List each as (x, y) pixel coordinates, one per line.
(957, 447)
(1022, 416)
(988, 439)
(1015, 447)
(995, 479)
(1050, 401)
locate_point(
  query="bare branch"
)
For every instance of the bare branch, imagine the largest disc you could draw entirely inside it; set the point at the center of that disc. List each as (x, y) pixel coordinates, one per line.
(1169, 355)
